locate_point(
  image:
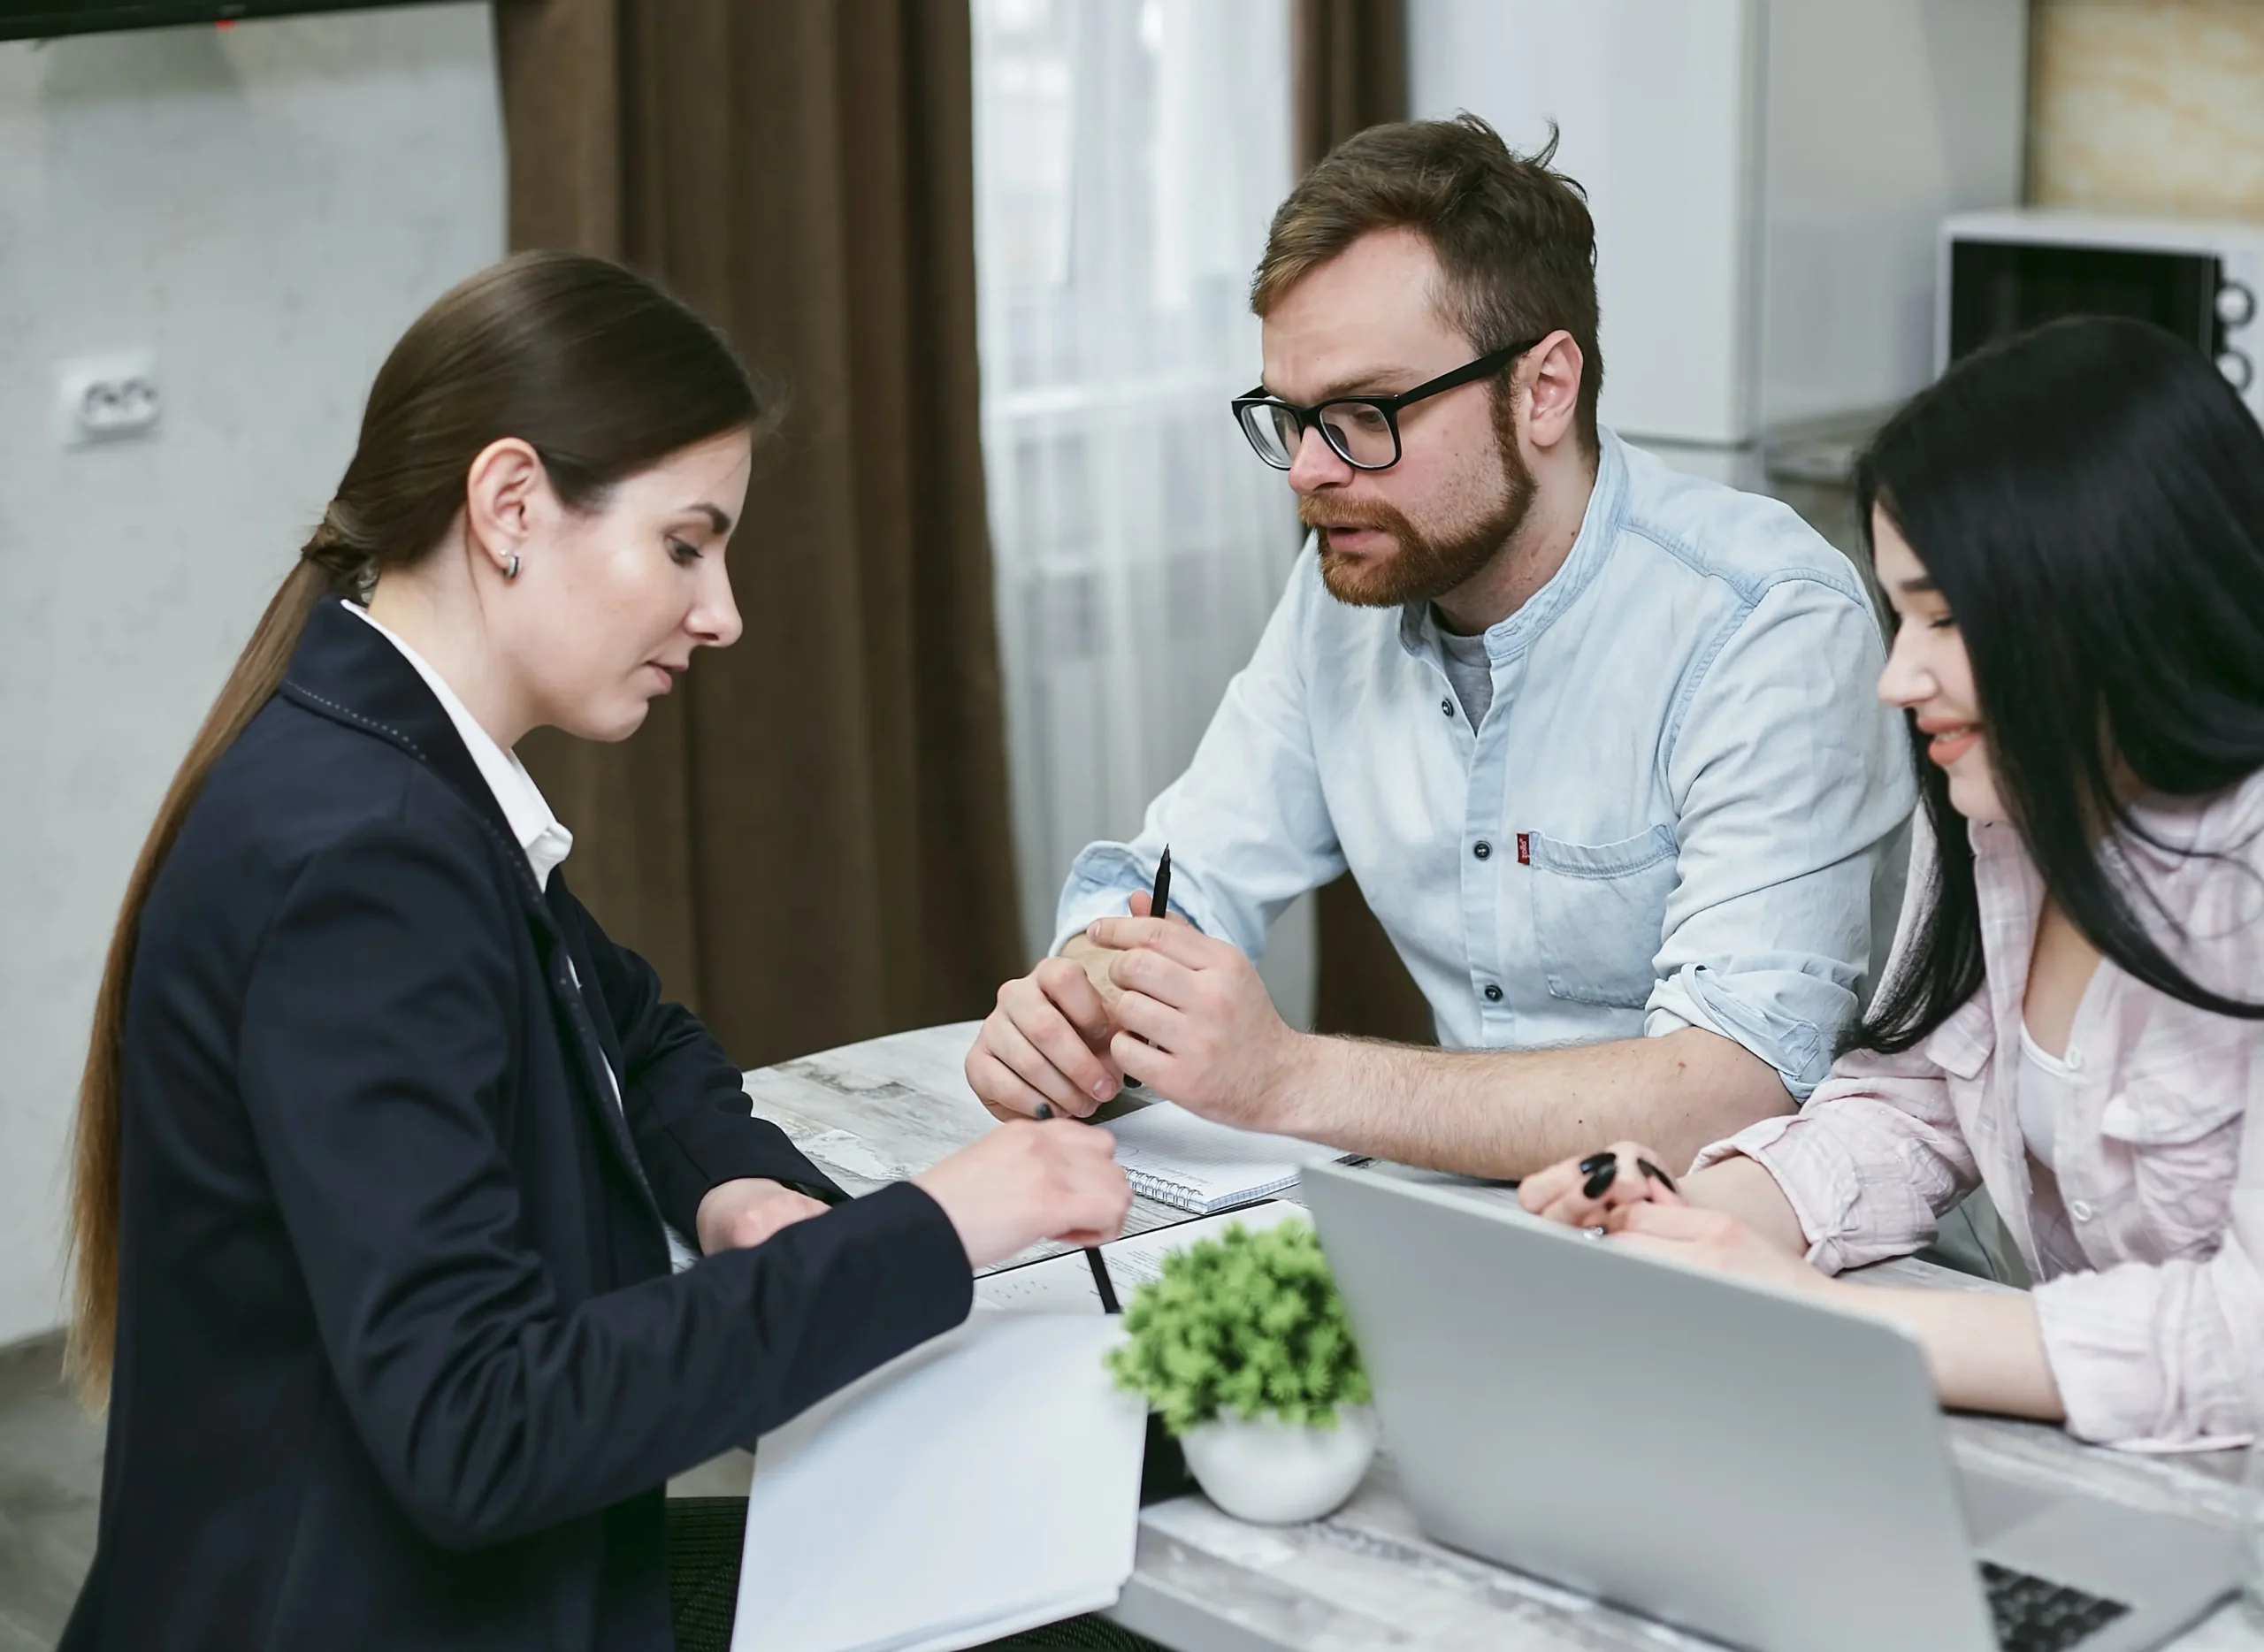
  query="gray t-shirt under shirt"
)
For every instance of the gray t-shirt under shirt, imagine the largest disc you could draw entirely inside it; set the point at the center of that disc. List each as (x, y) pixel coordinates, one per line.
(1469, 669)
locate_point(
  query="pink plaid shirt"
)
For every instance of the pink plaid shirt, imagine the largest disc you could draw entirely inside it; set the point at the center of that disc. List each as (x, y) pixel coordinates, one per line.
(2149, 1241)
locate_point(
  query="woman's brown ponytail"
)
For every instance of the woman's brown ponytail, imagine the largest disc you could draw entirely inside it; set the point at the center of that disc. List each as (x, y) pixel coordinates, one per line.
(95, 1138)
(597, 370)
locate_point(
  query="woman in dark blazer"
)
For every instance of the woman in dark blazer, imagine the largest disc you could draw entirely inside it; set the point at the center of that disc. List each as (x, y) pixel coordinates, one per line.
(381, 1140)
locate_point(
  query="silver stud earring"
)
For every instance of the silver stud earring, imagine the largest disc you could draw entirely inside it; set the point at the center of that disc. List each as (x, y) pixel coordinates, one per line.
(511, 567)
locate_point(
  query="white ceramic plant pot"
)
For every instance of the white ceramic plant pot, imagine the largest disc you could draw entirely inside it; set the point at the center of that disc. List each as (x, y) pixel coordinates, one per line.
(1265, 1470)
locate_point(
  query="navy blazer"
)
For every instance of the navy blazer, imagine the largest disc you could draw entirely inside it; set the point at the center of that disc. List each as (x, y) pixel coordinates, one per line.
(400, 1362)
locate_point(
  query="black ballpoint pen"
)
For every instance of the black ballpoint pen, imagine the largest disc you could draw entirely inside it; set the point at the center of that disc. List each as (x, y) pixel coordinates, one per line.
(1101, 1283)
(1158, 906)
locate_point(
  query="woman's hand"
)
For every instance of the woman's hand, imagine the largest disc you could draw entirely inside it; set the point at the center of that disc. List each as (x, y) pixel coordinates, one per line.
(1027, 1182)
(1588, 1192)
(739, 1215)
(1622, 1191)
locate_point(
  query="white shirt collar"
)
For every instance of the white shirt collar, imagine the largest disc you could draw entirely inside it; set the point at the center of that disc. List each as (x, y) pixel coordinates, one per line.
(545, 842)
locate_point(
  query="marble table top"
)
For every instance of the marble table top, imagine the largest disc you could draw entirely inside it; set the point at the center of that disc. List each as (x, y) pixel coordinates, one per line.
(1366, 1576)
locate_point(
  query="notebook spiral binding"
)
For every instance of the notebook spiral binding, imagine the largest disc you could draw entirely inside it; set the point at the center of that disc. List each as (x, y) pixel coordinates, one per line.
(1163, 1190)
(1186, 1196)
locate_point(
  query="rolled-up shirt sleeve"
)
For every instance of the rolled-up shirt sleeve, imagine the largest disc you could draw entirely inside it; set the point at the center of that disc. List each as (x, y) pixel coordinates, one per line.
(1248, 827)
(2160, 1356)
(1876, 1156)
(1794, 783)
(1870, 1164)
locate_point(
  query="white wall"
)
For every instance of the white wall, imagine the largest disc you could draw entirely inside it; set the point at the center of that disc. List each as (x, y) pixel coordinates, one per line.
(1765, 177)
(1653, 99)
(267, 207)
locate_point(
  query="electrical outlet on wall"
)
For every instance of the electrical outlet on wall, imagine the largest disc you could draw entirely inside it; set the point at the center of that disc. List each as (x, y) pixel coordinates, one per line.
(107, 398)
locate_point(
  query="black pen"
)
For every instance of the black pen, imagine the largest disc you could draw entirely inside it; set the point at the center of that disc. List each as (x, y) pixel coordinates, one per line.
(1158, 906)
(1108, 1303)
(1100, 1281)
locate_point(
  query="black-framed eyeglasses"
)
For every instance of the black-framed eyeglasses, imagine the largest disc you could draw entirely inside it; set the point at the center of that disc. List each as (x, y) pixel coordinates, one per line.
(1363, 431)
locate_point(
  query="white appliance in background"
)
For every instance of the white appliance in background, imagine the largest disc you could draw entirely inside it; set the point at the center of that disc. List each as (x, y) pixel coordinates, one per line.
(1767, 178)
(2003, 273)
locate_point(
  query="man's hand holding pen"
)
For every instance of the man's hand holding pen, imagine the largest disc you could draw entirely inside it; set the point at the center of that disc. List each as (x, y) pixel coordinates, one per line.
(1146, 998)
(1193, 1022)
(1046, 1044)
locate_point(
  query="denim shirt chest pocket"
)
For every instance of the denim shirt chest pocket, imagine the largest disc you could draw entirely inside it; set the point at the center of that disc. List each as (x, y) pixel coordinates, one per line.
(1599, 913)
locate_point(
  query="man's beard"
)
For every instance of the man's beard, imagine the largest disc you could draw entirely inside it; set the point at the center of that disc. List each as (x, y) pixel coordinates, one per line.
(1420, 569)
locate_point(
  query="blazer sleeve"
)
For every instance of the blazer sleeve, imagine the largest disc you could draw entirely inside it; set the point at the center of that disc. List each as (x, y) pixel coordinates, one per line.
(373, 1061)
(684, 1099)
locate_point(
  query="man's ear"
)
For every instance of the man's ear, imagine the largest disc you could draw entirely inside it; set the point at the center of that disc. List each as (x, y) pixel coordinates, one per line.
(504, 492)
(1553, 391)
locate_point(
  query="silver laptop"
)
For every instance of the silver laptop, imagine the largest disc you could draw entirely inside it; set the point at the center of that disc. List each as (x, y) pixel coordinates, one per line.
(1770, 1471)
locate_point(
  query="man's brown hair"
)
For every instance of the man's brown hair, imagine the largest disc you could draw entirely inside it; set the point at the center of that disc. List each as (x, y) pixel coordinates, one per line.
(1515, 243)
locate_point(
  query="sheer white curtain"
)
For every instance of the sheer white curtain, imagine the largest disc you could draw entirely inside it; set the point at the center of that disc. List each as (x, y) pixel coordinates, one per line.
(1128, 154)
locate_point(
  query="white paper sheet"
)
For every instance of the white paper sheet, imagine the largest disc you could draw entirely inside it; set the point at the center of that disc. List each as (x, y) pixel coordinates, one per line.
(984, 1483)
(1066, 1282)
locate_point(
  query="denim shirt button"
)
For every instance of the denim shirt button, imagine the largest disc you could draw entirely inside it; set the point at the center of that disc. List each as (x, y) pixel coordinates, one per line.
(1493, 994)
(2080, 1210)
(1482, 849)
(1446, 708)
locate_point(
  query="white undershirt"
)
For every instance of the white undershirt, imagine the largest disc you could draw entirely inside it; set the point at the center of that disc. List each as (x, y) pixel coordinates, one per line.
(541, 839)
(2042, 1089)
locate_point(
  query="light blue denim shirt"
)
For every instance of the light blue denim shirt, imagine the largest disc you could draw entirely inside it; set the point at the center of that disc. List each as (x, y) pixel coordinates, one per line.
(1672, 815)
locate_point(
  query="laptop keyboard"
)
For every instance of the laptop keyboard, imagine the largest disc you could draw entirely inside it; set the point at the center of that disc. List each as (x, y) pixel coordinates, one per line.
(2033, 1614)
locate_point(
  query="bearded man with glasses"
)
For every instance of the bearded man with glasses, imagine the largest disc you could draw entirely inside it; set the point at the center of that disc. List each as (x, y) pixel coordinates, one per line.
(1597, 741)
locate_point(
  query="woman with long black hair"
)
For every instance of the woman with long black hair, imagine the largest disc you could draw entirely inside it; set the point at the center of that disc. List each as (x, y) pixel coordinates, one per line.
(2070, 530)
(381, 1140)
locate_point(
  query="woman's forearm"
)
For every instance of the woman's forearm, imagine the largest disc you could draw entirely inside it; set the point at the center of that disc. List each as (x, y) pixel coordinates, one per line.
(1741, 1186)
(1985, 1349)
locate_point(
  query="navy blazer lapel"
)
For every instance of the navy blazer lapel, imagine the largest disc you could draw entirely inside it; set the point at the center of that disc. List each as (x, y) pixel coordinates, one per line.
(561, 901)
(562, 963)
(347, 671)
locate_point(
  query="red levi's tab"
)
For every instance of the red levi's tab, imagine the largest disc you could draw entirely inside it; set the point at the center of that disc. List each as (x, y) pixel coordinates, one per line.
(1525, 848)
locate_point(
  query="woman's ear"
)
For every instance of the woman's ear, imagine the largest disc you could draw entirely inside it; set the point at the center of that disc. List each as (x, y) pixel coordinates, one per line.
(505, 493)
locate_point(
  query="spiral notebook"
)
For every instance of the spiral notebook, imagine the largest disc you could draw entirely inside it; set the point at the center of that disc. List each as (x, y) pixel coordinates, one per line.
(1179, 1159)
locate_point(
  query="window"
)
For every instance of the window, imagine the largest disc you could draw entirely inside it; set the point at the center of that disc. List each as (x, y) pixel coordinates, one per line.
(1129, 155)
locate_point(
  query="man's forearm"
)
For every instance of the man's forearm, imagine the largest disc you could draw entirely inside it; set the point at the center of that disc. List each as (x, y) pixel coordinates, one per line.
(1508, 1113)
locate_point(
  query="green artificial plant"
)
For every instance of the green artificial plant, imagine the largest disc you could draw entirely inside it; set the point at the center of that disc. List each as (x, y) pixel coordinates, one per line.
(1248, 1323)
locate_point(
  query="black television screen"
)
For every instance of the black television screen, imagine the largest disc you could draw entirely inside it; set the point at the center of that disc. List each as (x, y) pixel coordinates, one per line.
(44, 20)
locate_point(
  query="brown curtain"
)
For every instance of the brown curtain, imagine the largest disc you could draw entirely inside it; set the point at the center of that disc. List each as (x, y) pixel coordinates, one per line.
(1349, 70)
(810, 837)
